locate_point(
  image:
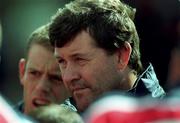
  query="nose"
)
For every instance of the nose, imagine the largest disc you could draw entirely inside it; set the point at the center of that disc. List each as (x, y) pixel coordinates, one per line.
(70, 74)
(43, 85)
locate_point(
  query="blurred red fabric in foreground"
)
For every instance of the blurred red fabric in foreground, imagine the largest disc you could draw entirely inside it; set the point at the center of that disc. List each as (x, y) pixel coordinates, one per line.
(117, 108)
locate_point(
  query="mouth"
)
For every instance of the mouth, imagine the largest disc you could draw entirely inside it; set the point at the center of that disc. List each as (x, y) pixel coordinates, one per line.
(78, 90)
(40, 102)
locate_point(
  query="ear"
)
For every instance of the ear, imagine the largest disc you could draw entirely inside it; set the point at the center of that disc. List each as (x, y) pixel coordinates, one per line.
(124, 55)
(22, 65)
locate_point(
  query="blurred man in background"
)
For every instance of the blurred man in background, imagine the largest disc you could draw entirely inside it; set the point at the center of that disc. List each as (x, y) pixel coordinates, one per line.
(39, 74)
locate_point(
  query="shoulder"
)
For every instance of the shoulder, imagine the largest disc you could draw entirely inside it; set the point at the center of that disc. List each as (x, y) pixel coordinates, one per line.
(148, 84)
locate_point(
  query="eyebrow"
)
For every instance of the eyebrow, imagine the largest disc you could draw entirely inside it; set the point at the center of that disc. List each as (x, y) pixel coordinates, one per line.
(74, 55)
(80, 55)
(31, 68)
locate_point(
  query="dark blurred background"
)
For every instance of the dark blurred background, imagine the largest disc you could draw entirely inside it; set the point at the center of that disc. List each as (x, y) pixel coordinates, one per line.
(156, 20)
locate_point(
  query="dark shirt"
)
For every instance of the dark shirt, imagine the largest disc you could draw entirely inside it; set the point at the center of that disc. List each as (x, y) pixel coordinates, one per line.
(147, 84)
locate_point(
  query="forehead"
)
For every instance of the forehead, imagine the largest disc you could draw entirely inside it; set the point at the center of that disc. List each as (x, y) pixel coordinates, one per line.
(82, 43)
(42, 59)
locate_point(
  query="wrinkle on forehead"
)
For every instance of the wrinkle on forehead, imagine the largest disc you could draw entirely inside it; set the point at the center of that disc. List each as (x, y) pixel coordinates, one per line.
(81, 44)
(43, 60)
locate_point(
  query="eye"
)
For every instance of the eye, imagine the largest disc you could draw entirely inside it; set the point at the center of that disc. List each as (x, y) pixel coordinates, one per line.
(34, 73)
(56, 79)
(81, 61)
(62, 63)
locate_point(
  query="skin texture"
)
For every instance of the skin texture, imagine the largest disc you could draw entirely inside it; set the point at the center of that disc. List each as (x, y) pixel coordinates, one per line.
(88, 71)
(41, 79)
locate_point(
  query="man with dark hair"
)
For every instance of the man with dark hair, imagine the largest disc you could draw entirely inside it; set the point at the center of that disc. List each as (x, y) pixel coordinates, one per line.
(97, 47)
(40, 74)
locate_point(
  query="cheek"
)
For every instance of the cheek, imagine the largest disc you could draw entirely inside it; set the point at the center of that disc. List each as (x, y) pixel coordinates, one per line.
(65, 87)
(29, 91)
(88, 74)
(102, 75)
(29, 86)
(60, 92)
(92, 76)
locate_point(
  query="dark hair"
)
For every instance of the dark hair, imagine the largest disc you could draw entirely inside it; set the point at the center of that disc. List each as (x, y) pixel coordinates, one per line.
(39, 37)
(107, 21)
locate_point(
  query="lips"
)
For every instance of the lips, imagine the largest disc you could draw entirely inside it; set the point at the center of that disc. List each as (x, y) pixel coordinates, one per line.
(40, 102)
(77, 90)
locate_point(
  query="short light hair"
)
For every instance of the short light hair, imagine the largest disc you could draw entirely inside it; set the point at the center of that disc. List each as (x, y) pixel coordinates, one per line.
(39, 37)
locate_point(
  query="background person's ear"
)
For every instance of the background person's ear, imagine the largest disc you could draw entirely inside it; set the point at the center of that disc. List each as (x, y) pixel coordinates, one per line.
(22, 67)
(124, 54)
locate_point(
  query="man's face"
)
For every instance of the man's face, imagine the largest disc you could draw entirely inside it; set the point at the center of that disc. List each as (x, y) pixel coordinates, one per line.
(41, 79)
(87, 71)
